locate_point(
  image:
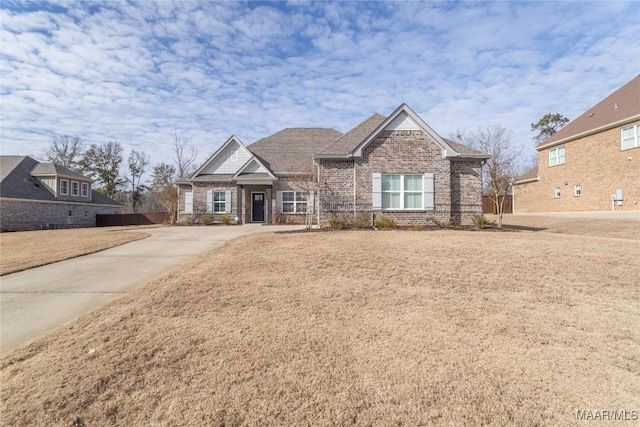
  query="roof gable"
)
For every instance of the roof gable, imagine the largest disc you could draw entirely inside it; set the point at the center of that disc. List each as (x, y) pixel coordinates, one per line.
(404, 118)
(252, 167)
(621, 106)
(227, 159)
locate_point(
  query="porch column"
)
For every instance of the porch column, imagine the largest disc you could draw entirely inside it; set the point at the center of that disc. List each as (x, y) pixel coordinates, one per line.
(268, 219)
(239, 204)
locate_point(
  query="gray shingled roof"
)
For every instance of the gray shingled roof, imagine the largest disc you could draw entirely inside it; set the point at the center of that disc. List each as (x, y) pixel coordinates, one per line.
(291, 149)
(622, 104)
(350, 140)
(530, 174)
(19, 183)
(52, 169)
(463, 149)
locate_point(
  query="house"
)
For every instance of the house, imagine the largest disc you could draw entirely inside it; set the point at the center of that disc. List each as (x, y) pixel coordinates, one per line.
(35, 196)
(395, 166)
(591, 164)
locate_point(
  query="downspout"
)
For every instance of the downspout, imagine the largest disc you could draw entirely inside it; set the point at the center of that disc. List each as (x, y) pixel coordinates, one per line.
(354, 188)
(317, 202)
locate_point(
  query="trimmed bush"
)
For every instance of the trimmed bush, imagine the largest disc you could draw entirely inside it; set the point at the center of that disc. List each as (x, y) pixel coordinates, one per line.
(337, 223)
(206, 219)
(386, 222)
(362, 220)
(227, 219)
(480, 221)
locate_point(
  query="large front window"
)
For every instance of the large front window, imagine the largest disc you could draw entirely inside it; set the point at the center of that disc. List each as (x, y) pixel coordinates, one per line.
(631, 137)
(402, 192)
(556, 156)
(294, 202)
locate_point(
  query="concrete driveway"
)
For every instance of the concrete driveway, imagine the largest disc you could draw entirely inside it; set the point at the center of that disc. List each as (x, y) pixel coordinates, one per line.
(36, 301)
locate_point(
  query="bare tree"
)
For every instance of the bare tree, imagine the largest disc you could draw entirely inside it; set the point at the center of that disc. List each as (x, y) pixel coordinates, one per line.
(138, 163)
(305, 182)
(501, 170)
(185, 155)
(162, 185)
(65, 151)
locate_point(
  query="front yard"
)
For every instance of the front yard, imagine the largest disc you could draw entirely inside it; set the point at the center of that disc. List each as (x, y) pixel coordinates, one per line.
(352, 328)
(28, 249)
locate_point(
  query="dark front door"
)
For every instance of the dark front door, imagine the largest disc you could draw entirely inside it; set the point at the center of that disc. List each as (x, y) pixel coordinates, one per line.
(257, 207)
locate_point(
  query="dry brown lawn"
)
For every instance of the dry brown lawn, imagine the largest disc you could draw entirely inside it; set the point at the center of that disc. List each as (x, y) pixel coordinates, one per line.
(622, 228)
(27, 249)
(445, 328)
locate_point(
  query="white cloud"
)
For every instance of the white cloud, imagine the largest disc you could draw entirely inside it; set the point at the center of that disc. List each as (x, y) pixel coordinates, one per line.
(135, 72)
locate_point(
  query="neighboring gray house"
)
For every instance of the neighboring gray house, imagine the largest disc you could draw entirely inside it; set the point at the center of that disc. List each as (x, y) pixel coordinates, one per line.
(396, 166)
(36, 196)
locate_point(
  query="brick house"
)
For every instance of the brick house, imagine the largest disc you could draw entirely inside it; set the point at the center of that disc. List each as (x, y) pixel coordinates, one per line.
(396, 166)
(35, 196)
(591, 160)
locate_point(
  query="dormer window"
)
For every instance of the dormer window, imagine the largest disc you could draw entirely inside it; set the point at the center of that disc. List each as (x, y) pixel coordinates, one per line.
(64, 187)
(75, 188)
(84, 189)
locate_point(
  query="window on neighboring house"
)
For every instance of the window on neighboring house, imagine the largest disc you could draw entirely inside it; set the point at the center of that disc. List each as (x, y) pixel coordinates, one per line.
(84, 189)
(577, 190)
(557, 192)
(64, 187)
(556, 156)
(402, 191)
(631, 137)
(188, 202)
(75, 188)
(69, 217)
(294, 202)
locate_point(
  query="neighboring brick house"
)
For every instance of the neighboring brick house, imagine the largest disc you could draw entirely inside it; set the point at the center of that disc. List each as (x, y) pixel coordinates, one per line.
(591, 160)
(35, 196)
(396, 166)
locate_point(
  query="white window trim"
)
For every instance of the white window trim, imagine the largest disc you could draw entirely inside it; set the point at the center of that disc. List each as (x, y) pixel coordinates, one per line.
(403, 192)
(211, 203)
(557, 192)
(75, 193)
(83, 186)
(554, 156)
(295, 202)
(64, 193)
(636, 137)
(577, 190)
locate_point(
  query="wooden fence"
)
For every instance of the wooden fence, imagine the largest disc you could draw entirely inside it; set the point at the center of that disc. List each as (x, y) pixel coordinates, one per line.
(132, 219)
(489, 206)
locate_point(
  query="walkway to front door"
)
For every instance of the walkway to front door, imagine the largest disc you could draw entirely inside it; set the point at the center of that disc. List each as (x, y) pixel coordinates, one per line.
(257, 207)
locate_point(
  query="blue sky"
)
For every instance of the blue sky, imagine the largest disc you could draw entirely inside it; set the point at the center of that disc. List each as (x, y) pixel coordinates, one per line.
(134, 72)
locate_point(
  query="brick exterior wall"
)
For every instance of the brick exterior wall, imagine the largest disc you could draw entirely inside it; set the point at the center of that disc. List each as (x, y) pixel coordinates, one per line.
(200, 199)
(21, 215)
(458, 185)
(597, 163)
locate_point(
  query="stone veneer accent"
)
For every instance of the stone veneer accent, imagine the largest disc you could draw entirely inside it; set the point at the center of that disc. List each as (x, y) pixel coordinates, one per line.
(22, 214)
(597, 163)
